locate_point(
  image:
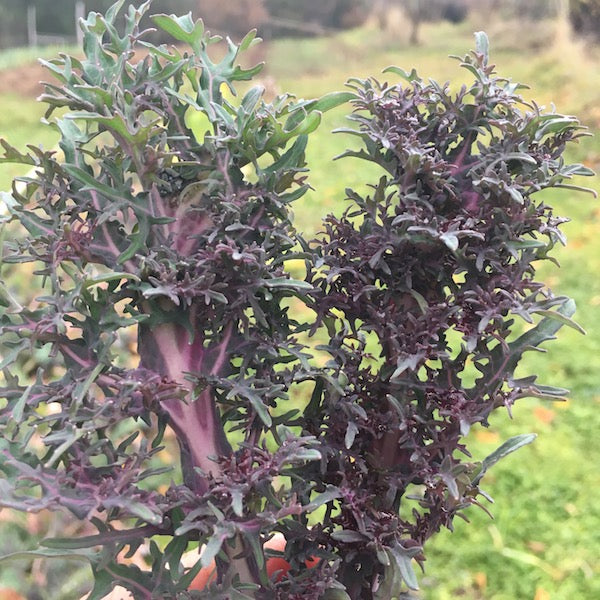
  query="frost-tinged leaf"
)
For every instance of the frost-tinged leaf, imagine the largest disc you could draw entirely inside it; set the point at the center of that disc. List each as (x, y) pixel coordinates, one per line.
(286, 282)
(237, 501)
(482, 45)
(450, 240)
(406, 363)
(348, 536)
(561, 318)
(403, 561)
(305, 455)
(505, 449)
(135, 508)
(214, 545)
(351, 432)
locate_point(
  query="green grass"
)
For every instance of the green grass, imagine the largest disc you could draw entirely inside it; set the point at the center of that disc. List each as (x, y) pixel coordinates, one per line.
(16, 57)
(545, 540)
(20, 124)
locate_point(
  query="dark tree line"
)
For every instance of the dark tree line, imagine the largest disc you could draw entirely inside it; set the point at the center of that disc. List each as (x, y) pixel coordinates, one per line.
(283, 17)
(585, 17)
(275, 18)
(57, 17)
(271, 17)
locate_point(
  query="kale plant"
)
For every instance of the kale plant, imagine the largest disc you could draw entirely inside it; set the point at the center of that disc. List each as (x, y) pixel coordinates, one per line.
(161, 236)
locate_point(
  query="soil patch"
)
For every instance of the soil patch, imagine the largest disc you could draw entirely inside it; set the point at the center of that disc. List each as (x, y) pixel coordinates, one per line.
(24, 80)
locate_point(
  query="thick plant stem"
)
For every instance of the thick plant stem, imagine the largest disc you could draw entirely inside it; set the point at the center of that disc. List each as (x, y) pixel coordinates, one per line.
(166, 350)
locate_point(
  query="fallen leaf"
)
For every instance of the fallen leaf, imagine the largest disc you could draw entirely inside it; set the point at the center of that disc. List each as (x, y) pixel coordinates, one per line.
(571, 509)
(541, 594)
(544, 415)
(487, 437)
(537, 547)
(10, 594)
(480, 579)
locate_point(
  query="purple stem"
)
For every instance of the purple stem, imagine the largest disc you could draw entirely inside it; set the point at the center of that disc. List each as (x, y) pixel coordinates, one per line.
(167, 350)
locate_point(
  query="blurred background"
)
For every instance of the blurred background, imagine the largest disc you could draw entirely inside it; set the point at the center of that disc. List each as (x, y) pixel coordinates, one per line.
(544, 541)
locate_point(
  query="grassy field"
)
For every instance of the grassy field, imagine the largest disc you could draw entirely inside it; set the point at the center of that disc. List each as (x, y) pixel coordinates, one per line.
(544, 542)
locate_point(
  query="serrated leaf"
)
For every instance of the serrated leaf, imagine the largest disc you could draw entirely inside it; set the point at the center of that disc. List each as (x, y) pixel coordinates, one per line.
(580, 171)
(508, 447)
(237, 501)
(181, 28)
(515, 195)
(306, 126)
(91, 183)
(118, 124)
(130, 577)
(257, 549)
(503, 361)
(252, 99)
(547, 392)
(213, 547)
(290, 159)
(174, 551)
(103, 584)
(137, 240)
(113, 11)
(9, 356)
(281, 136)
(13, 155)
(36, 226)
(555, 124)
(410, 77)
(526, 244)
(262, 410)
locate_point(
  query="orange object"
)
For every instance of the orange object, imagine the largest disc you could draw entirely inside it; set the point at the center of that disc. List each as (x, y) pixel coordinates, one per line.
(275, 565)
(10, 594)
